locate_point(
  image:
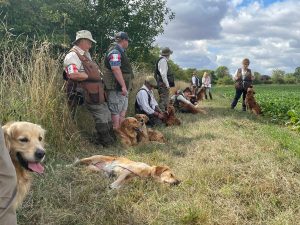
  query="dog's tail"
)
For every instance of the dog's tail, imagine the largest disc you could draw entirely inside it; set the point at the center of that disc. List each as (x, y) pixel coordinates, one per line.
(76, 162)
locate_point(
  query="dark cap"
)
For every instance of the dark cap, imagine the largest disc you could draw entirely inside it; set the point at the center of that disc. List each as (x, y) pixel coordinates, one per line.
(121, 36)
(166, 51)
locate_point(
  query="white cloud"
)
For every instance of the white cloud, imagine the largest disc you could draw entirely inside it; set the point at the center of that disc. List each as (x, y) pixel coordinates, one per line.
(209, 33)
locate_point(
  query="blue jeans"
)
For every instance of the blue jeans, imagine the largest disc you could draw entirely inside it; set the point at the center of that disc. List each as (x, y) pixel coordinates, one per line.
(238, 94)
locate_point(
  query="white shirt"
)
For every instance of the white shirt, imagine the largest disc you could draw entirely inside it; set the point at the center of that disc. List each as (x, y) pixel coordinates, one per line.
(142, 100)
(206, 82)
(243, 73)
(193, 80)
(163, 69)
(181, 99)
(73, 59)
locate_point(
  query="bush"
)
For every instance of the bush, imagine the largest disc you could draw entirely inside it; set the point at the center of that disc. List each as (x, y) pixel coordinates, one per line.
(225, 81)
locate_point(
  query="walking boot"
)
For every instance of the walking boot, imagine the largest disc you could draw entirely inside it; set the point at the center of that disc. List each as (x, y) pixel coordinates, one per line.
(104, 136)
(112, 131)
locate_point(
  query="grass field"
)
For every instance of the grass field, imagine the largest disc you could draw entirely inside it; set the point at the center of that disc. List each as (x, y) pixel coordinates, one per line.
(235, 168)
(276, 100)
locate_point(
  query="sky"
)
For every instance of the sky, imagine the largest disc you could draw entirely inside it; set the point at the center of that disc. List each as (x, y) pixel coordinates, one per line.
(206, 34)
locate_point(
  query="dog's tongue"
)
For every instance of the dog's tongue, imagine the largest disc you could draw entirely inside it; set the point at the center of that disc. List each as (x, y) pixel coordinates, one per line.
(36, 167)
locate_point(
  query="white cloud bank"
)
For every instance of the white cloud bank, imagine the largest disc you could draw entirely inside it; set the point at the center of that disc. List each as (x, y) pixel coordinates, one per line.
(210, 33)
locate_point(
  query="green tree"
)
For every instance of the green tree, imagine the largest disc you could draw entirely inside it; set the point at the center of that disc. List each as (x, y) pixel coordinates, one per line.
(59, 21)
(289, 78)
(297, 74)
(257, 79)
(222, 71)
(278, 76)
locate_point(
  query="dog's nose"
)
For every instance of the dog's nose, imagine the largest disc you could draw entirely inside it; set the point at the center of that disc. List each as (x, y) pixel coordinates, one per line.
(39, 154)
(176, 182)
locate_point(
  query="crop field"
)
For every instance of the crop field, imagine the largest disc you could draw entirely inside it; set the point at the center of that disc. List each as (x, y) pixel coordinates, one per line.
(279, 102)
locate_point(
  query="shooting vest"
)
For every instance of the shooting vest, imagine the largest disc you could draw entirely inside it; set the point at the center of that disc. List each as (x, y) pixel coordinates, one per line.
(109, 79)
(93, 85)
(158, 77)
(241, 83)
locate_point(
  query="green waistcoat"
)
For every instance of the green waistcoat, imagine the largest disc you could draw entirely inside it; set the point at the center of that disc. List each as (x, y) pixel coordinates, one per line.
(109, 79)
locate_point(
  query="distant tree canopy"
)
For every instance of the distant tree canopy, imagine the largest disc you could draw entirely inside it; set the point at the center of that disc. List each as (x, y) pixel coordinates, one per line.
(59, 20)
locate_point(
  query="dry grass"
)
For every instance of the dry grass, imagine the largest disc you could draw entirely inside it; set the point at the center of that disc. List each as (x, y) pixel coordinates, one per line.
(235, 168)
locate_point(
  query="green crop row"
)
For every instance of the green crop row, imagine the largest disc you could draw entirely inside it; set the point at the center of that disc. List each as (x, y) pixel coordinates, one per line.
(279, 102)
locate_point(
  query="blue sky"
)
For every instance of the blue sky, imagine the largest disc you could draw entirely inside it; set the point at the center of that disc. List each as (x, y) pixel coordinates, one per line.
(210, 33)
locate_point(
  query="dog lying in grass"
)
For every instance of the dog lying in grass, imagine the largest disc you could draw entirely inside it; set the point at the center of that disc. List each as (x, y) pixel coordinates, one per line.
(170, 118)
(128, 131)
(191, 108)
(25, 143)
(147, 134)
(251, 103)
(200, 95)
(125, 169)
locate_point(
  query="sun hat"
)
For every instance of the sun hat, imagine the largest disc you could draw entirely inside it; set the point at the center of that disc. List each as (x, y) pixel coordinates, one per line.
(151, 81)
(83, 34)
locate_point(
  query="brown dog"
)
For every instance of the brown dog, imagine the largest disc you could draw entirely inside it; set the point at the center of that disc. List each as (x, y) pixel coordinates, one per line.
(192, 109)
(142, 135)
(155, 135)
(251, 103)
(201, 94)
(170, 118)
(25, 142)
(126, 169)
(128, 131)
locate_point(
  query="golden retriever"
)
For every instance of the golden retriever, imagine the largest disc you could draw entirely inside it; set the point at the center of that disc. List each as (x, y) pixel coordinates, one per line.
(142, 135)
(190, 108)
(128, 131)
(147, 134)
(251, 103)
(25, 143)
(125, 169)
(157, 136)
(170, 118)
(200, 94)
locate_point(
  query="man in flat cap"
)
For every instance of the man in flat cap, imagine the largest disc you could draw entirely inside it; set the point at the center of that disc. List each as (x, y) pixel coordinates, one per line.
(117, 78)
(83, 74)
(164, 78)
(146, 104)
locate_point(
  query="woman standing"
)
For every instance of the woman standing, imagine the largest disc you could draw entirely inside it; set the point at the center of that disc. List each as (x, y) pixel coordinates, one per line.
(243, 79)
(206, 83)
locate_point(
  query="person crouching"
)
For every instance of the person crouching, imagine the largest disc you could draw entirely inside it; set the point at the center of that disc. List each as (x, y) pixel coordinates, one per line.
(146, 104)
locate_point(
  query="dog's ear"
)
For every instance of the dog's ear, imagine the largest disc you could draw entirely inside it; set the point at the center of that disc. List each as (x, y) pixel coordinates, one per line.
(159, 170)
(146, 118)
(7, 131)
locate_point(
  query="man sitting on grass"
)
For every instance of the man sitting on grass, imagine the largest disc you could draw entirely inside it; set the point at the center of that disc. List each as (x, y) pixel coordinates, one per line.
(181, 99)
(146, 104)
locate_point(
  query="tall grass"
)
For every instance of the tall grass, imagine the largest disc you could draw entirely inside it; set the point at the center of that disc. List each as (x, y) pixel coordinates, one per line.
(31, 89)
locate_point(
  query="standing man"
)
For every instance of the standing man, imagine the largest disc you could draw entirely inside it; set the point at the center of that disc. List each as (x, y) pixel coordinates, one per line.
(82, 72)
(195, 83)
(117, 78)
(8, 185)
(146, 104)
(164, 78)
(243, 79)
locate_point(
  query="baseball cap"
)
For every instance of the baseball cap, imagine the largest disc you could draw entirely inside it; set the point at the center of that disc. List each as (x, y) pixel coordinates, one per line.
(121, 36)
